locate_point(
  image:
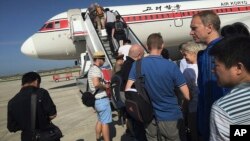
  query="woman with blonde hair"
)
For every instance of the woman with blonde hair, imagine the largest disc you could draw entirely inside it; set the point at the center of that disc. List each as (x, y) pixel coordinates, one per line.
(190, 51)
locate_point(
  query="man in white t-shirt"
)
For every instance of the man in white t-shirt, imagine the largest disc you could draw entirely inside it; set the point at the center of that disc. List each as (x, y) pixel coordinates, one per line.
(125, 48)
(102, 105)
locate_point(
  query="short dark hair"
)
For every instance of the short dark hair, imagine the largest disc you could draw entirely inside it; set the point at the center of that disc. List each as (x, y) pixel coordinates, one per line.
(155, 40)
(232, 50)
(241, 28)
(228, 30)
(31, 77)
(235, 29)
(118, 17)
(165, 53)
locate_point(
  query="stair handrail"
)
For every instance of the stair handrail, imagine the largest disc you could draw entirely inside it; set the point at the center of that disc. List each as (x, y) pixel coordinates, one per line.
(131, 31)
(95, 33)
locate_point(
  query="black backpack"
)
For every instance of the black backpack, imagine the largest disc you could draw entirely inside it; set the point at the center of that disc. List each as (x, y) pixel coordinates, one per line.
(116, 93)
(119, 28)
(138, 104)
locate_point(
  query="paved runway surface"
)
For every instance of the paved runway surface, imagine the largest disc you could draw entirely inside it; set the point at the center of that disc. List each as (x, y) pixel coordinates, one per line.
(76, 121)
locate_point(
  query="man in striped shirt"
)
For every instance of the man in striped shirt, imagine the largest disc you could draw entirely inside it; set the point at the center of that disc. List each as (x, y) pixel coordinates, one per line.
(232, 69)
(102, 105)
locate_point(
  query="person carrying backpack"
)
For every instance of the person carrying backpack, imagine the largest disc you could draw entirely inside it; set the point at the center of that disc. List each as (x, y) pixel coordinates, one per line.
(161, 77)
(110, 19)
(118, 31)
(136, 52)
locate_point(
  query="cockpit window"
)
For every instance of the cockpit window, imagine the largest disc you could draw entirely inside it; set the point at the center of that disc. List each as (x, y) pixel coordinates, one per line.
(43, 27)
(49, 26)
(57, 24)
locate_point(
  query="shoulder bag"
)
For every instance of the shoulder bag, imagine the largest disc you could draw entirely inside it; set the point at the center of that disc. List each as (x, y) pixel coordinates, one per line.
(51, 133)
(88, 98)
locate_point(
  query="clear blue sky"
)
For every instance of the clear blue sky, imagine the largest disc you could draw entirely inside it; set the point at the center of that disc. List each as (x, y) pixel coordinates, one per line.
(19, 19)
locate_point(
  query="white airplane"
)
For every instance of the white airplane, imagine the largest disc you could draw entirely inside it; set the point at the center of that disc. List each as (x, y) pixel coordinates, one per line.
(172, 20)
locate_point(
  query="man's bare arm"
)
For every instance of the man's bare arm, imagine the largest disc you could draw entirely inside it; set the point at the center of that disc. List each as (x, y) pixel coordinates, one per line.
(129, 84)
(97, 84)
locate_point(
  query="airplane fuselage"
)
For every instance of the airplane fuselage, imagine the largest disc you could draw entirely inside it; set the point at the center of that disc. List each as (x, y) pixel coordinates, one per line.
(172, 20)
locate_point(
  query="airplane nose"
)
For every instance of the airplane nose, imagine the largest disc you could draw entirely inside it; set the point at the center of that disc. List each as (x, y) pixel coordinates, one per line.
(28, 48)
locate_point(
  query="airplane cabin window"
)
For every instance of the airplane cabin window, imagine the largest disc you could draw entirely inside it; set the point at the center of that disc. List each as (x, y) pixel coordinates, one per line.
(151, 16)
(127, 19)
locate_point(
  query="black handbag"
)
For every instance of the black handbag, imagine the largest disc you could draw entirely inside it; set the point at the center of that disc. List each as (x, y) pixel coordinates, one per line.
(51, 133)
(88, 99)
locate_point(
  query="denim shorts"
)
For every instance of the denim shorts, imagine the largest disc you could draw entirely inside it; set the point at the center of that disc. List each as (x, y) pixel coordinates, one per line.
(103, 110)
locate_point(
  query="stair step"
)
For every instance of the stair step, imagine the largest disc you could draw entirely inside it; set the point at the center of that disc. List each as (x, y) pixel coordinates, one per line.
(109, 52)
(103, 37)
(105, 44)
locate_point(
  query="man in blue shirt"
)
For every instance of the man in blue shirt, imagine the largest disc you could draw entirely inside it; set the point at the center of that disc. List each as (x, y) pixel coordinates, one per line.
(161, 77)
(205, 28)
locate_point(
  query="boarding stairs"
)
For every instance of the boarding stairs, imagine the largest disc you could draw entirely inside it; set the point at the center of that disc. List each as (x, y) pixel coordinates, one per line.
(82, 28)
(96, 42)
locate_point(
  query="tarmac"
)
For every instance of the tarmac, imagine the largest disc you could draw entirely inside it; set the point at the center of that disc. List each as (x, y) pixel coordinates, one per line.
(76, 121)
